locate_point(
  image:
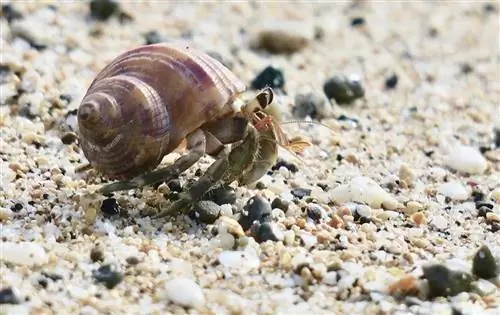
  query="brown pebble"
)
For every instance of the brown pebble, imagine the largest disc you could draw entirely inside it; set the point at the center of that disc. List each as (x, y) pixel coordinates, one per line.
(336, 222)
(132, 260)
(492, 217)
(301, 223)
(419, 218)
(407, 285)
(96, 254)
(69, 138)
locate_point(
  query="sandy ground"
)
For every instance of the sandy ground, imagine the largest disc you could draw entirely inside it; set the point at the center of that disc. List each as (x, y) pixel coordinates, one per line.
(401, 179)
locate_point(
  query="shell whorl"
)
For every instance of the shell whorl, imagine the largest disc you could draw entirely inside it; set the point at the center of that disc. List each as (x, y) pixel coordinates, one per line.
(141, 106)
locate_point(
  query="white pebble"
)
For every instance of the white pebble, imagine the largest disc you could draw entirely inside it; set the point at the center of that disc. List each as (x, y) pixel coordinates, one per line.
(363, 189)
(454, 190)
(24, 253)
(330, 278)
(185, 292)
(308, 239)
(439, 222)
(239, 259)
(466, 159)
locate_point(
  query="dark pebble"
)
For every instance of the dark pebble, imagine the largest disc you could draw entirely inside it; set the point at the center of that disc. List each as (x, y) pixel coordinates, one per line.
(496, 137)
(268, 231)
(17, 207)
(315, 212)
(256, 209)
(260, 186)
(52, 276)
(66, 97)
(124, 17)
(323, 186)
(153, 37)
(358, 21)
(482, 211)
(44, 283)
(10, 13)
(103, 9)
(482, 203)
(9, 296)
(343, 117)
(132, 260)
(108, 275)
(343, 90)
(269, 77)
(279, 203)
(175, 185)
(110, 206)
(478, 196)
(391, 81)
(96, 254)
(221, 195)
(495, 227)
(290, 166)
(207, 211)
(484, 264)
(69, 138)
(301, 192)
(489, 8)
(311, 105)
(445, 282)
(466, 68)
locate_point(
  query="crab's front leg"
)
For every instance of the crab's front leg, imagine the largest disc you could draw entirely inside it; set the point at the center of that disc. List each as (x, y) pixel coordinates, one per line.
(226, 169)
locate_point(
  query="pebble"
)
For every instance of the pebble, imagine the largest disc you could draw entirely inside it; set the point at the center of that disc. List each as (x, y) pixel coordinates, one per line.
(439, 222)
(466, 159)
(69, 137)
(23, 253)
(185, 292)
(110, 207)
(343, 90)
(238, 259)
(96, 254)
(102, 10)
(358, 21)
(300, 192)
(153, 37)
(269, 77)
(9, 296)
(365, 190)
(315, 212)
(283, 36)
(412, 207)
(311, 105)
(445, 282)
(257, 209)
(391, 81)
(279, 203)
(282, 163)
(108, 275)
(495, 195)
(221, 195)
(484, 287)
(269, 231)
(10, 13)
(484, 264)
(454, 190)
(407, 175)
(207, 211)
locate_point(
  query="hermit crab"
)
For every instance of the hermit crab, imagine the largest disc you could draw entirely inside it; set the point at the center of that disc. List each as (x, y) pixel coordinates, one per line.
(149, 99)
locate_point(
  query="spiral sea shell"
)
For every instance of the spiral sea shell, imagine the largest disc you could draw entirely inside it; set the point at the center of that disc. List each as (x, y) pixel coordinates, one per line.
(141, 106)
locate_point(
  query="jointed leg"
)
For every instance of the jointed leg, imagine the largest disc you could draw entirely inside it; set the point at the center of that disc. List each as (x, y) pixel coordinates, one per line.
(196, 146)
(227, 169)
